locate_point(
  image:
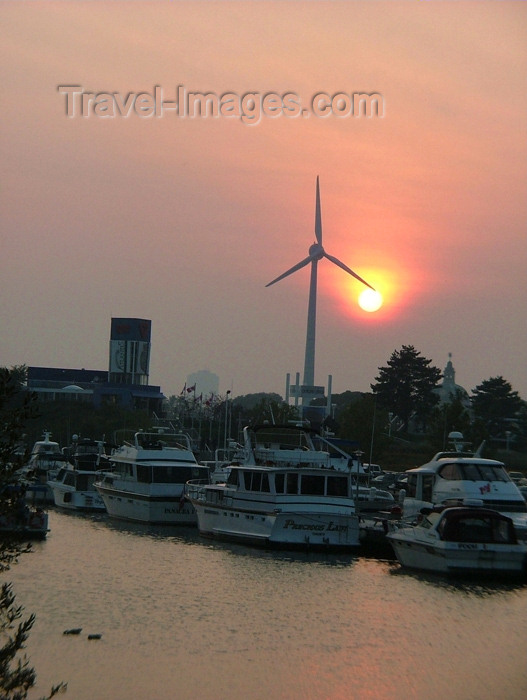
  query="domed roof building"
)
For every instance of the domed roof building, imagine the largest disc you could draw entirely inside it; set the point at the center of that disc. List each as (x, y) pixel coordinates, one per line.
(449, 390)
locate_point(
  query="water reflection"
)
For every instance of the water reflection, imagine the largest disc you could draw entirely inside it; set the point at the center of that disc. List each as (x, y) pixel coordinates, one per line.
(185, 617)
(471, 585)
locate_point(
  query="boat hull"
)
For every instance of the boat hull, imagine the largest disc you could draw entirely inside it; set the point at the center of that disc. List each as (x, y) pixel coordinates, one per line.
(295, 529)
(34, 526)
(459, 557)
(147, 508)
(77, 500)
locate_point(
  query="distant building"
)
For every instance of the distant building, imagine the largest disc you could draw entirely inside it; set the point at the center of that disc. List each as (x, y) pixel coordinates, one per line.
(206, 382)
(125, 383)
(449, 390)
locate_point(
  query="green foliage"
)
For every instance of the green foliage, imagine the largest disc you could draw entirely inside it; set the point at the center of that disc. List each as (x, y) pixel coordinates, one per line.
(406, 386)
(494, 400)
(75, 417)
(267, 409)
(362, 420)
(250, 401)
(447, 417)
(16, 676)
(499, 413)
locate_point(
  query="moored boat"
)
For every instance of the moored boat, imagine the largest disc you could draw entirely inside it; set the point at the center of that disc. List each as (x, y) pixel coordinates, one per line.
(20, 520)
(460, 540)
(451, 477)
(45, 460)
(73, 486)
(146, 477)
(74, 489)
(283, 492)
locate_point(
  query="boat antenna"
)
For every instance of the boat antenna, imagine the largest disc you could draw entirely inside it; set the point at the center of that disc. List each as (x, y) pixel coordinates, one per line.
(371, 441)
(479, 451)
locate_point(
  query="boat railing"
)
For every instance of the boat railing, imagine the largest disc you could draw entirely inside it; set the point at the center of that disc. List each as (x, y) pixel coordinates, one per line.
(202, 491)
(195, 489)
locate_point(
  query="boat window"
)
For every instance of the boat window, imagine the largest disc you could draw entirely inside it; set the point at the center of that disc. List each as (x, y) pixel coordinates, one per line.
(451, 472)
(483, 472)
(178, 475)
(255, 483)
(489, 473)
(232, 479)
(279, 483)
(430, 520)
(312, 484)
(60, 475)
(144, 474)
(473, 530)
(292, 483)
(479, 528)
(82, 482)
(337, 486)
(69, 479)
(428, 486)
(471, 472)
(411, 486)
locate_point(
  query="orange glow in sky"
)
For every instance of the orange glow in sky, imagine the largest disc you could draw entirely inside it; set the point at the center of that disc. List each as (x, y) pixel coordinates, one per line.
(185, 220)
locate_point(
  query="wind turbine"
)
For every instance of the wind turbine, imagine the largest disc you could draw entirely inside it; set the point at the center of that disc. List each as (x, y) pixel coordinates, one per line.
(316, 253)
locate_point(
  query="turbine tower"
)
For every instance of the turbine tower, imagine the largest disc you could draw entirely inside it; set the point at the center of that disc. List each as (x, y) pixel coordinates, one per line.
(316, 253)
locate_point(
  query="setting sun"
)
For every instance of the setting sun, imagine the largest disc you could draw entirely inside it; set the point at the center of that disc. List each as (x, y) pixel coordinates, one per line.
(370, 300)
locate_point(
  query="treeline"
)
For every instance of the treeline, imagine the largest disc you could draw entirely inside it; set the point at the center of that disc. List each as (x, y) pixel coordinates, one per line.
(400, 423)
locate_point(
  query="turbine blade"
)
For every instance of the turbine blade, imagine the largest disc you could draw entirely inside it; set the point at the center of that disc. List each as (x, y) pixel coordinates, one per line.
(340, 264)
(318, 217)
(296, 267)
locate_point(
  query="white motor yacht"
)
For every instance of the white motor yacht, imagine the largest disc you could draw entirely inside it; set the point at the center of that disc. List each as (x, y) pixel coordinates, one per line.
(45, 460)
(297, 444)
(146, 477)
(451, 477)
(461, 540)
(285, 490)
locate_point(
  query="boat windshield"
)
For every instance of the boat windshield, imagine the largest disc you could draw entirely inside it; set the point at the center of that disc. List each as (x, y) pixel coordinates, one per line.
(476, 528)
(455, 471)
(429, 520)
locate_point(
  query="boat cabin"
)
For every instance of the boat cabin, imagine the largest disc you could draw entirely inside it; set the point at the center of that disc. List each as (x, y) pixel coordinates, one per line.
(292, 482)
(471, 525)
(78, 480)
(288, 445)
(454, 476)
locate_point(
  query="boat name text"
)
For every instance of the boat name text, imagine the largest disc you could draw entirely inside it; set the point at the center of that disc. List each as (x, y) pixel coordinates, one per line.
(330, 527)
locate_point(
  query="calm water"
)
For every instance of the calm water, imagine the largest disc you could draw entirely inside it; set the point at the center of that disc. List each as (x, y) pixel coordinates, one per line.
(181, 618)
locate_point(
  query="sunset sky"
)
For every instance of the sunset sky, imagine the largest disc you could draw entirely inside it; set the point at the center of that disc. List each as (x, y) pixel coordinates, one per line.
(185, 220)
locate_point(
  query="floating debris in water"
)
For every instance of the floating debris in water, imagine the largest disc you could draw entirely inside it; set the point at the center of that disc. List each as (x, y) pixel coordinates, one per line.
(75, 630)
(94, 636)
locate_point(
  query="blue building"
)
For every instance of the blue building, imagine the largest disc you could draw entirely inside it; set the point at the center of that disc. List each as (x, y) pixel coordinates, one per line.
(125, 383)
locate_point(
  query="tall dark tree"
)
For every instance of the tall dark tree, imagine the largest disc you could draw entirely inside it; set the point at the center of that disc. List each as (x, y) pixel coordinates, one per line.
(494, 399)
(497, 407)
(406, 386)
(17, 677)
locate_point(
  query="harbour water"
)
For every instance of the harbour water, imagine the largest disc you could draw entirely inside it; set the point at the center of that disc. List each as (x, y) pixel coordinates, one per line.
(184, 618)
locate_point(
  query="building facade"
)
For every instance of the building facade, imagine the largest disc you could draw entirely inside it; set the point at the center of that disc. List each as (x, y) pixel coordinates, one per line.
(125, 383)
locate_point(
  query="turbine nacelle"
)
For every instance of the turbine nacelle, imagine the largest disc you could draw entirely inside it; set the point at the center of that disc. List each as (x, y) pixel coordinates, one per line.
(316, 251)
